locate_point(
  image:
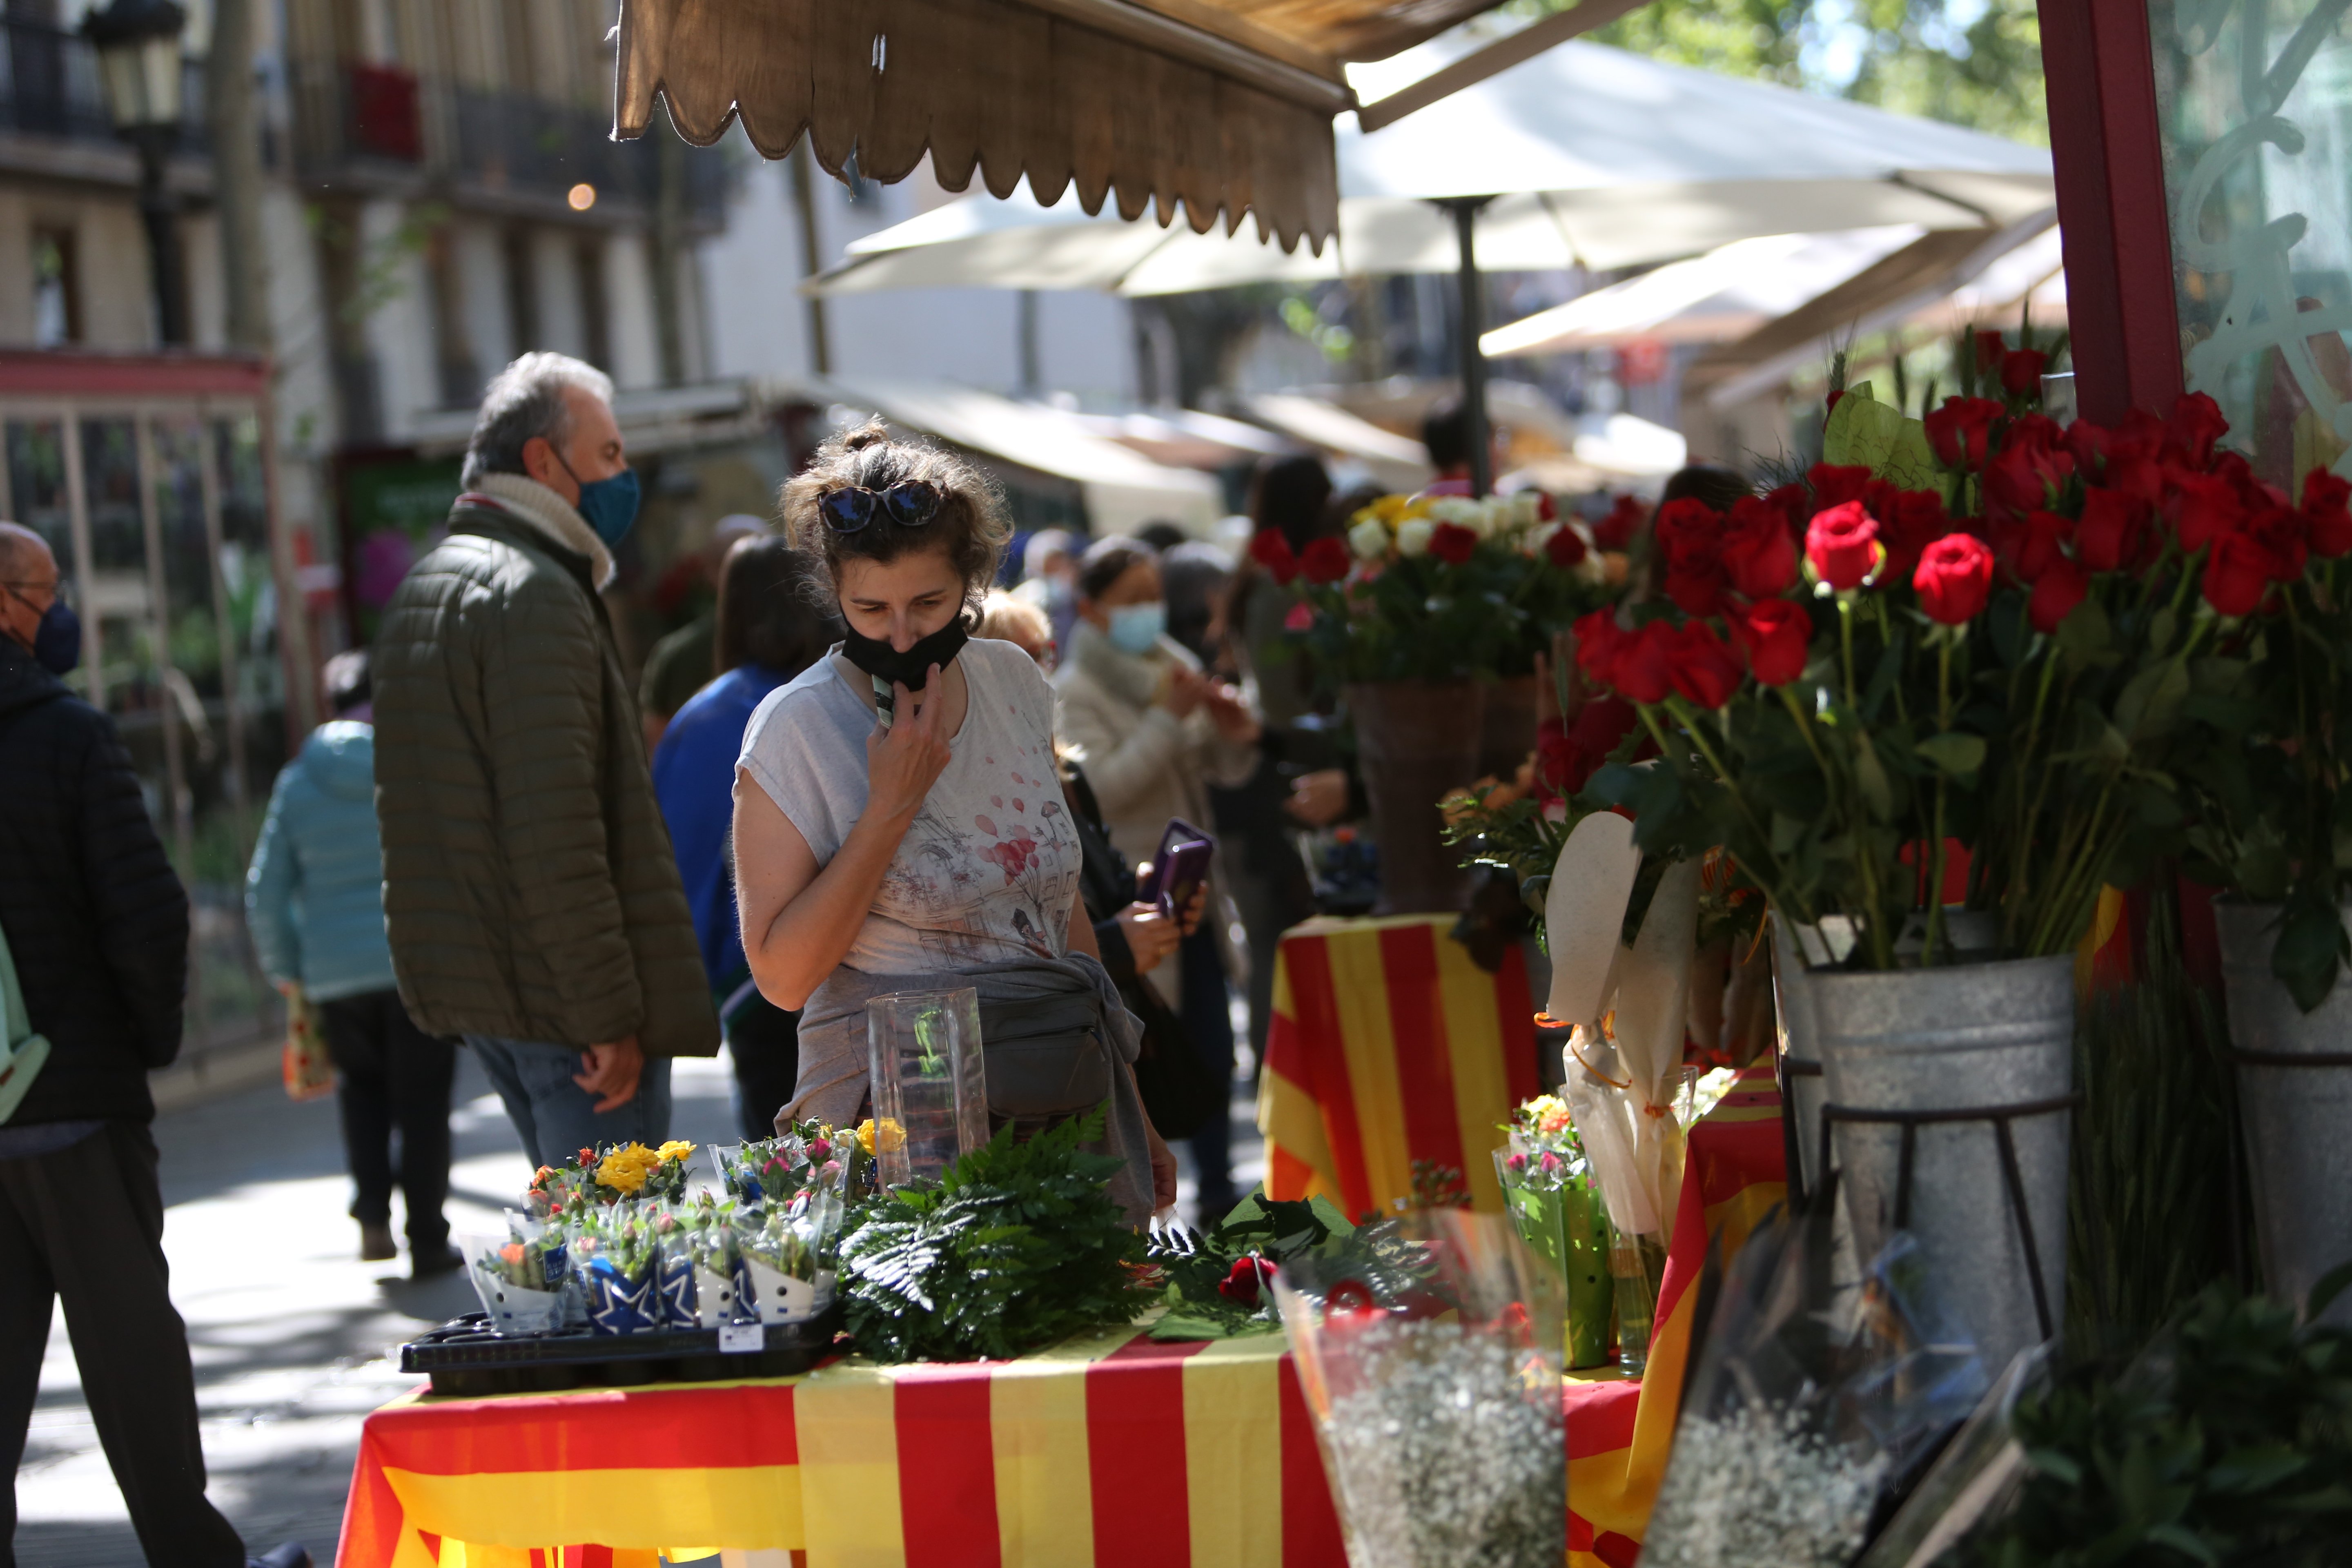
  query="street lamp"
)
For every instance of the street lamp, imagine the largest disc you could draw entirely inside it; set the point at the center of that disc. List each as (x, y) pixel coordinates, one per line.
(137, 45)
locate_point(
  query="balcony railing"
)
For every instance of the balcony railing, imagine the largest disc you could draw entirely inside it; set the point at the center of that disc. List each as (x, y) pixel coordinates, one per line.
(49, 87)
(356, 124)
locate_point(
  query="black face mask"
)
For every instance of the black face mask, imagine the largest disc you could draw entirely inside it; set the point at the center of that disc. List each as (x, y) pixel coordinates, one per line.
(912, 668)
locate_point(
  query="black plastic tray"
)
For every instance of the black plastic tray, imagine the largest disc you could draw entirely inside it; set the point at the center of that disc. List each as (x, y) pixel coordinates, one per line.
(465, 1358)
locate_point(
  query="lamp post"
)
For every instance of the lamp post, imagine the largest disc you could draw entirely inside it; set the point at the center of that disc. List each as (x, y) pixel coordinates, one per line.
(137, 45)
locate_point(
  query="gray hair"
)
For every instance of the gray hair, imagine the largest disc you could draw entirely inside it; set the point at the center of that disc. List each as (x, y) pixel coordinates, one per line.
(524, 400)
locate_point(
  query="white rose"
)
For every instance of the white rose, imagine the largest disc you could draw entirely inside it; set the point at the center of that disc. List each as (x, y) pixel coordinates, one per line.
(1462, 509)
(1412, 537)
(1368, 539)
(1527, 509)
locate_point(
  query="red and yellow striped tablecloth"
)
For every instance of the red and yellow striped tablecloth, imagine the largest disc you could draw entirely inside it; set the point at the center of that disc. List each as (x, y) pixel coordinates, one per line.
(1107, 1450)
(1620, 1433)
(1389, 1045)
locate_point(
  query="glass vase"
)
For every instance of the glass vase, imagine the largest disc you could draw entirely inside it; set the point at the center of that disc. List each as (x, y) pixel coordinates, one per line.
(1637, 1266)
(931, 1083)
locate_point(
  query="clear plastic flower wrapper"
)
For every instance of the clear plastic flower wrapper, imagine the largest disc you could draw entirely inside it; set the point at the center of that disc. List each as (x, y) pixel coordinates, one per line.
(773, 1170)
(1822, 1392)
(520, 1277)
(1548, 1193)
(1429, 1350)
(788, 1257)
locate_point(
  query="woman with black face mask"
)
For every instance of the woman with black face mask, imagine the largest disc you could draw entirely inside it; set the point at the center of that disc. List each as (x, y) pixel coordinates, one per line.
(899, 824)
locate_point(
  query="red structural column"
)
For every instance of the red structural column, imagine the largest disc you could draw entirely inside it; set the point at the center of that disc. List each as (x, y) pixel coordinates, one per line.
(2105, 138)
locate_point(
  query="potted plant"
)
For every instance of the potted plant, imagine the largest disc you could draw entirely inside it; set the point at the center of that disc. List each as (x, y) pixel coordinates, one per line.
(1424, 604)
(1981, 656)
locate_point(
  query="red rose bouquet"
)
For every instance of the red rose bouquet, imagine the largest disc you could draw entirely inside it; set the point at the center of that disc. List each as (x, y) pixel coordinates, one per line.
(1978, 629)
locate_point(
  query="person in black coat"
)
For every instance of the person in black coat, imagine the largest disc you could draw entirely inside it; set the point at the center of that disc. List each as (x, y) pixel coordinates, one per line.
(98, 926)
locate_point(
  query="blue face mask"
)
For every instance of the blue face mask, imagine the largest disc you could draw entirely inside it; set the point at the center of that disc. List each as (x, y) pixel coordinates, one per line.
(1134, 628)
(56, 641)
(610, 506)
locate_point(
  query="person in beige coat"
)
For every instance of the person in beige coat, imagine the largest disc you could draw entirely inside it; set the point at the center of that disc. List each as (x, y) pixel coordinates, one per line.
(1153, 732)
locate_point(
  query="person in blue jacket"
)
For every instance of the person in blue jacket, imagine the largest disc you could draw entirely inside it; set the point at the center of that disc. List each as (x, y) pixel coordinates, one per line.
(314, 902)
(769, 629)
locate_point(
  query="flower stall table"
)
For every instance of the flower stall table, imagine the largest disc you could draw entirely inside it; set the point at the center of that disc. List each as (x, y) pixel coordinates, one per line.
(1389, 1045)
(1110, 1449)
(1620, 1430)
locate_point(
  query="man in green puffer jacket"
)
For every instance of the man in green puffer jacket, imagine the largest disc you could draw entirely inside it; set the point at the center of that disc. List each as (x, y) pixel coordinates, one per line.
(530, 894)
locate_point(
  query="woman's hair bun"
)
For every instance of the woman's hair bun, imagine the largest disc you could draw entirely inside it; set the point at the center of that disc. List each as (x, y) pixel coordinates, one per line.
(872, 433)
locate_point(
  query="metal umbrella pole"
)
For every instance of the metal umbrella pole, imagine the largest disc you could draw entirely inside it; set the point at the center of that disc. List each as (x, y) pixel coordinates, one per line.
(1474, 322)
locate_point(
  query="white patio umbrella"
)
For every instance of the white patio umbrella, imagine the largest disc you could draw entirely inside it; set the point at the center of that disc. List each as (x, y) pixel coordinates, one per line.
(1583, 154)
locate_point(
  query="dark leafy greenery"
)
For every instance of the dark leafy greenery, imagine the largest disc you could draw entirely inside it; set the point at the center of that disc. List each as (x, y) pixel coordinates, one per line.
(2230, 1441)
(1197, 1264)
(1016, 1247)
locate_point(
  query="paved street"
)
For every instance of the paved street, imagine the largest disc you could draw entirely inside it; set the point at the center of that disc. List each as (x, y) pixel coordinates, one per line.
(290, 1330)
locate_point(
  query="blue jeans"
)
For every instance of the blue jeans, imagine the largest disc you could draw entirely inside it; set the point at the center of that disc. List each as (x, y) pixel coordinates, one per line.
(555, 1116)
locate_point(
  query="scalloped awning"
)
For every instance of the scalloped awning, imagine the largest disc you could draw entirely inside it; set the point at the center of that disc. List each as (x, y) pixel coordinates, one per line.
(1222, 105)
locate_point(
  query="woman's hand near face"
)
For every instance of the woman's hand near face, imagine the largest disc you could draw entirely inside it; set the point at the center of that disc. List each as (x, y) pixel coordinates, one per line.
(1228, 713)
(903, 761)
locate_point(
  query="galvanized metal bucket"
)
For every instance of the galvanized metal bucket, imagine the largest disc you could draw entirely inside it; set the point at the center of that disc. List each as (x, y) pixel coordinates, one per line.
(1801, 1060)
(1969, 1070)
(2295, 1101)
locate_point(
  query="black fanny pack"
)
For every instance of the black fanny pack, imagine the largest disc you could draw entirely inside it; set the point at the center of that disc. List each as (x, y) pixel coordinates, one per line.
(1047, 1056)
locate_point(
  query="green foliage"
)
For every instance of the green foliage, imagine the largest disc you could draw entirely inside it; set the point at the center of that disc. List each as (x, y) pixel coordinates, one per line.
(2229, 1441)
(1196, 1264)
(1016, 1247)
(2147, 1059)
(1914, 59)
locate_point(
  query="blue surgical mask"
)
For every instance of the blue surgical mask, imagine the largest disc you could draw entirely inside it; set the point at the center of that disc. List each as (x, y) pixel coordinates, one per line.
(1135, 628)
(610, 506)
(56, 641)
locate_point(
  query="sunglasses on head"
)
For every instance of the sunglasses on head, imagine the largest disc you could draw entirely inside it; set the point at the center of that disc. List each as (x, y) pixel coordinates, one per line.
(910, 503)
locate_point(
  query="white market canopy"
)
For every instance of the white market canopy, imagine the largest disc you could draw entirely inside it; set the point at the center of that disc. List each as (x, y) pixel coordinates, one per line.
(1591, 155)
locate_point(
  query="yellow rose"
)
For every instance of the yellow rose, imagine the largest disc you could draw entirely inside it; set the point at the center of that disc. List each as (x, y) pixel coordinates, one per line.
(621, 1172)
(891, 1137)
(675, 1150)
(1390, 509)
(866, 1135)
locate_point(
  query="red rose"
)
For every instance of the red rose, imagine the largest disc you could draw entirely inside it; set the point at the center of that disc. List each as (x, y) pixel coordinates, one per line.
(1757, 553)
(2134, 474)
(1961, 430)
(2109, 536)
(2196, 424)
(2029, 470)
(1565, 547)
(1835, 486)
(1270, 550)
(1690, 538)
(1795, 505)
(1990, 349)
(2280, 531)
(2057, 594)
(1843, 544)
(1453, 543)
(1598, 639)
(1246, 1278)
(1616, 530)
(2327, 512)
(2201, 506)
(2021, 371)
(2238, 574)
(1911, 520)
(2088, 444)
(1642, 669)
(2042, 543)
(1325, 560)
(1776, 634)
(1954, 579)
(1703, 667)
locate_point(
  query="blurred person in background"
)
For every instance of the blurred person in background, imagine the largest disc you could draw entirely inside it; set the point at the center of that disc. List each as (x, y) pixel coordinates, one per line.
(686, 661)
(314, 903)
(769, 629)
(97, 927)
(1194, 575)
(1009, 618)
(529, 889)
(1153, 732)
(1049, 579)
(1446, 432)
(1162, 535)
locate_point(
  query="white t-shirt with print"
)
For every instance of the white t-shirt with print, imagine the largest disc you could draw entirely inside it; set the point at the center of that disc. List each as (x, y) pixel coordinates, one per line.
(989, 869)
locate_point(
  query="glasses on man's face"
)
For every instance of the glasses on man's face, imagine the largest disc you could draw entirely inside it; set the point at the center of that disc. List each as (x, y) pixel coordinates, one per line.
(41, 595)
(910, 503)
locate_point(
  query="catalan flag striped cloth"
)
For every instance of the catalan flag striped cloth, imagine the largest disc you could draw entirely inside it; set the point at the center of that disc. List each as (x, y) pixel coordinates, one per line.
(1109, 1449)
(1389, 1045)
